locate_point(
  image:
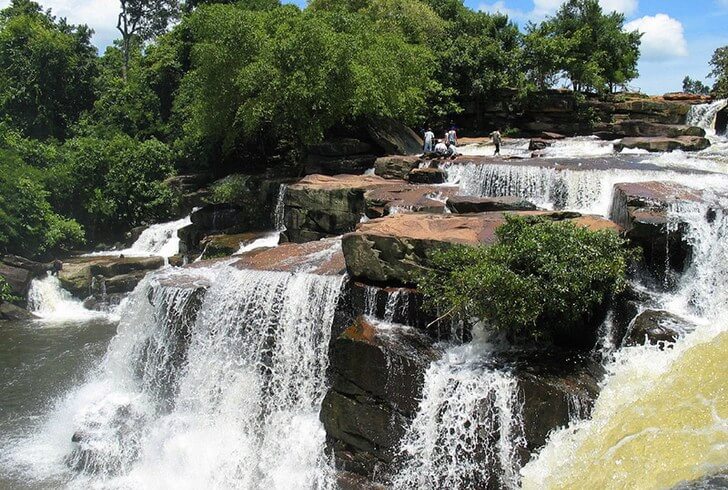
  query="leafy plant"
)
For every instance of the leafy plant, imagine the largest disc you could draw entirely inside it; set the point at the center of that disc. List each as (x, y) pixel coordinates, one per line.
(6, 292)
(542, 278)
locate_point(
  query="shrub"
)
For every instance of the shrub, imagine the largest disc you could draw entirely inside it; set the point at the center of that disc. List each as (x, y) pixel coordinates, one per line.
(6, 294)
(542, 279)
(231, 189)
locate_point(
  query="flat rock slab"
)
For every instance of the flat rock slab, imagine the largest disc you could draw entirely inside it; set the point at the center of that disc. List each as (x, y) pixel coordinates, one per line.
(391, 199)
(663, 144)
(393, 250)
(322, 257)
(78, 273)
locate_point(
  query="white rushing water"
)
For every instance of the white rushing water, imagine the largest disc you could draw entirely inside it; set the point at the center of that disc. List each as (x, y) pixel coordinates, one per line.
(160, 240)
(468, 430)
(704, 115)
(576, 147)
(214, 380)
(587, 191)
(50, 302)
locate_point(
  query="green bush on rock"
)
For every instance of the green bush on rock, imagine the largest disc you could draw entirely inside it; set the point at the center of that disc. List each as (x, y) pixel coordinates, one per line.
(542, 279)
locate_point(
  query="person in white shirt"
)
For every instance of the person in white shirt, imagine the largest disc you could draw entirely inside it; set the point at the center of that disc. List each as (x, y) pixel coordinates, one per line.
(429, 138)
(441, 149)
(496, 141)
(452, 137)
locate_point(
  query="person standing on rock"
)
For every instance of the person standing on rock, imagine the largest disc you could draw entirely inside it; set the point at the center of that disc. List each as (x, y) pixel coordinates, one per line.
(452, 136)
(496, 141)
(56, 267)
(429, 138)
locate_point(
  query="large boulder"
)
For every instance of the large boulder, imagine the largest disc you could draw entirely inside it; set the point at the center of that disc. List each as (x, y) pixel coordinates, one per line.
(427, 176)
(471, 204)
(351, 164)
(664, 144)
(640, 128)
(392, 199)
(395, 249)
(18, 279)
(396, 166)
(80, 274)
(321, 206)
(394, 137)
(11, 312)
(654, 109)
(376, 374)
(641, 209)
(656, 327)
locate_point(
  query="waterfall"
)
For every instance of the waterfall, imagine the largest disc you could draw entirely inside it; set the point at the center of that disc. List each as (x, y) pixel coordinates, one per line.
(279, 214)
(468, 430)
(587, 191)
(703, 115)
(662, 415)
(48, 300)
(214, 380)
(159, 240)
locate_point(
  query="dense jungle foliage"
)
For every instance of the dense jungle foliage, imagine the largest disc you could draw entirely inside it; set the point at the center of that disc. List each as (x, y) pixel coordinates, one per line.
(87, 140)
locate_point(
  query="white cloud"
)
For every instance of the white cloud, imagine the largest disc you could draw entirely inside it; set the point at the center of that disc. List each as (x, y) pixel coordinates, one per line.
(100, 15)
(500, 7)
(663, 38)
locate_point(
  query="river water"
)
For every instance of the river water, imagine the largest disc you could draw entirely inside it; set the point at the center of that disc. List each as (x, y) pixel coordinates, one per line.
(212, 377)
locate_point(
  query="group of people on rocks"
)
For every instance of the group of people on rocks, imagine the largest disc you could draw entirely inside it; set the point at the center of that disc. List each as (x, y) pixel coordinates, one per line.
(447, 146)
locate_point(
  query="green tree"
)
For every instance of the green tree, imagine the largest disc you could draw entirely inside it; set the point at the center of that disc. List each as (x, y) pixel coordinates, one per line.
(542, 278)
(719, 65)
(47, 69)
(690, 86)
(598, 54)
(143, 20)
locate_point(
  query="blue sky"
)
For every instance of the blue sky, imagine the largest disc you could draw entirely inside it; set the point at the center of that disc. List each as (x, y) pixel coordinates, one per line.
(679, 35)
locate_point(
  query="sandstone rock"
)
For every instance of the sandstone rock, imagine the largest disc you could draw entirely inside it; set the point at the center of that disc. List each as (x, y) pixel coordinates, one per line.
(124, 283)
(323, 257)
(471, 204)
(376, 374)
(319, 206)
(396, 166)
(641, 210)
(394, 137)
(391, 199)
(682, 96)
(654, 109)
(427, 176)
(546, 135)
(78, 273)
(640, 128)
(655, 326)
(660, 144)
(393, 250)
(227, 245)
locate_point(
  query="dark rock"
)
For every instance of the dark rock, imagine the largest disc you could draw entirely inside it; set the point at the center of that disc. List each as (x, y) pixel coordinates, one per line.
(18, 279)
(655, 327)
(396, 166)
(721, 121)
(470, 204)
(427, 176)
(350, 481)
(538, 144)
(227, 245)
(221, 218)
(394, 137)
(37, 269)
(10, 312)
(352, 164)
(663, 144)
(376, 377)
(188, 183)
(321, 206)
(340, 147)
(545, 135)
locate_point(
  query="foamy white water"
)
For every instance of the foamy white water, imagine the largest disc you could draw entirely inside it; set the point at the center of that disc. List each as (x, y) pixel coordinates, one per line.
(267, 241)
(159, 240)
(575, 147)
(48, 300)
(212, 383)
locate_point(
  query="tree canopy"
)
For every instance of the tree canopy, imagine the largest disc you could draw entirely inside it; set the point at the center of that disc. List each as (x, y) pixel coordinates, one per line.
(719, 65)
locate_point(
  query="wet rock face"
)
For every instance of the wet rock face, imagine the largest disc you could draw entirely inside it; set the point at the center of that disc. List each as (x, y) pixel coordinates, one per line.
(340, 156)
(641, 128)
(393, 198)
(77, 275)
(641, 210)
(537, 144)
(664, 144)
(427, 176)
(321, 257)
(394, 137)
(320, 206)
(10, 312)
(721, 122)
(655, 327)
(470, 204)
(396, 166)
(376, 374)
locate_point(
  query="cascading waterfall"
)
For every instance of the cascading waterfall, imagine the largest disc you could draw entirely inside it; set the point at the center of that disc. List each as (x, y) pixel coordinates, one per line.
(214, 380)
(48, 300)
(703, 115)
(279, 216)
(587, 191)
(468, 430)
(159, 240)
(662, 416)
